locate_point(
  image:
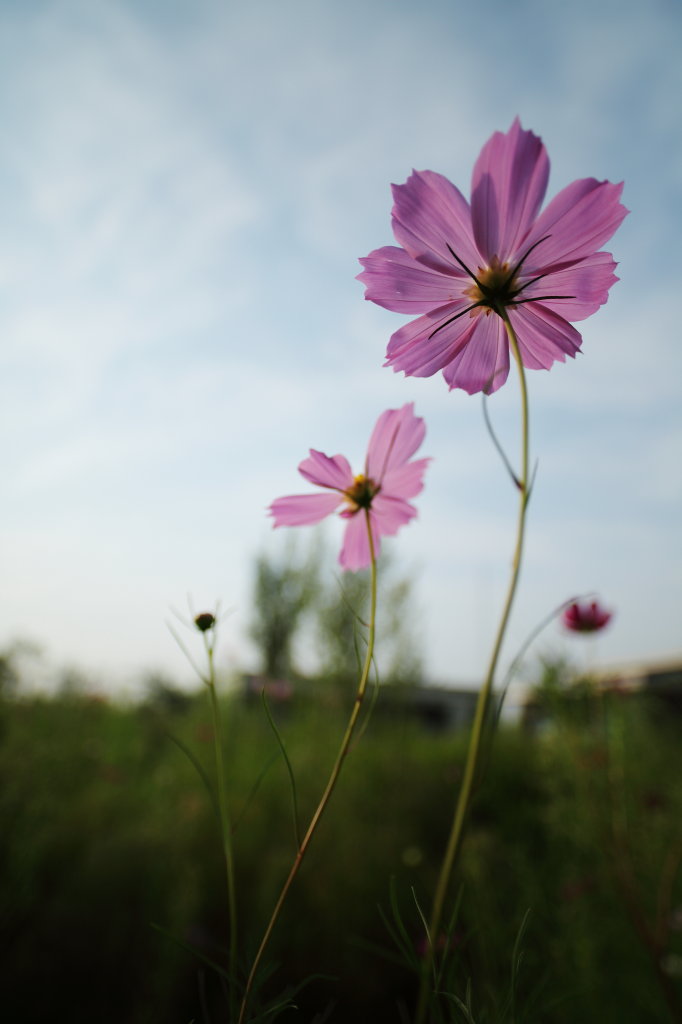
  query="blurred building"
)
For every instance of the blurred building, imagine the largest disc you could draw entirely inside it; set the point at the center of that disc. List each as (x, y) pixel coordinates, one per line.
(437, 708)
(659, 679)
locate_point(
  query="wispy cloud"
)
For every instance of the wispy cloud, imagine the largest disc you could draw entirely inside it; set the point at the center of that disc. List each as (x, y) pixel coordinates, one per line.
(185, 194)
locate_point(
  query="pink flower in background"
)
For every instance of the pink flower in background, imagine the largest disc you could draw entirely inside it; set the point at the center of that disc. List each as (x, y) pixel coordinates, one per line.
(585, 618)
(382, 489)
(461, 266)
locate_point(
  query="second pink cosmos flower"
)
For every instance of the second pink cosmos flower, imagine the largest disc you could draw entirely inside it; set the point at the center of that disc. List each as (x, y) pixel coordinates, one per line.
(586, 618)
(379, 492)
(463, 266)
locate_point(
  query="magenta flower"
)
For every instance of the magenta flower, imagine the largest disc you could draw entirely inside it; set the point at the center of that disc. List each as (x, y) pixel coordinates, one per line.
(382, 490)
(585, 618)
(462, 266)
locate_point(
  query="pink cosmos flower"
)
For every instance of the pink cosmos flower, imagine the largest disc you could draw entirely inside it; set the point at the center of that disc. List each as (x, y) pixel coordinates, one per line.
(382, 489)
(461, 266)
(585, 618)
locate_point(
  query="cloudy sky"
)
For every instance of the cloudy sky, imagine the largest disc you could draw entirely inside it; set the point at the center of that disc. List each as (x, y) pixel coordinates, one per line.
(186, 187)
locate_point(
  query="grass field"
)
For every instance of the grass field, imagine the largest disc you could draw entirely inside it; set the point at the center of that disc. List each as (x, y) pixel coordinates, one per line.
(107, 829)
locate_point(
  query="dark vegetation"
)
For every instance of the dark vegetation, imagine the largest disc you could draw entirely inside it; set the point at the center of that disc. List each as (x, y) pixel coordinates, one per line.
(107, 829)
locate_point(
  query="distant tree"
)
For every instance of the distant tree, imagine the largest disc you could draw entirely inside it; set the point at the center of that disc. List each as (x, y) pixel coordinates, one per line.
(16, 661)
(297, 593)
(9, 673)
(340, 620)
(399, 625)
(341, 617)
(284, 589)
(163, 695)
(73, 682)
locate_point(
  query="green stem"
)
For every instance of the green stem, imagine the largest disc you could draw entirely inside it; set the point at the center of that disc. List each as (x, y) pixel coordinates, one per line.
(463, 801)
(225, 825)
(331, 783)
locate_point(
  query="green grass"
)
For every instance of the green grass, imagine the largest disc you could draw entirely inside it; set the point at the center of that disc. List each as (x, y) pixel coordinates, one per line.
(107, 828)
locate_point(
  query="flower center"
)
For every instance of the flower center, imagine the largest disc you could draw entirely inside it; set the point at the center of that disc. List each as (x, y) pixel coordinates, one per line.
(361, 493)
(494, 286)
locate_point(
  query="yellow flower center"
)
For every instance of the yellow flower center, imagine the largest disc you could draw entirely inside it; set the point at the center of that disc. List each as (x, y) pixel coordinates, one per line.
(360, 494)
(495, 287)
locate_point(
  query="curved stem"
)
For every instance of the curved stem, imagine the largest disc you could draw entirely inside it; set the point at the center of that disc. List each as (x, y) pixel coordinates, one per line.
(464, 798)
(225, 826)
(331, 782)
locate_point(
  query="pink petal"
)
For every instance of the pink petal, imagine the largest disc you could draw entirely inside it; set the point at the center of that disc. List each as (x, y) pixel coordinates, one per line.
(586, 284)
(483, 364)
(355, 552)
(543, 336)
(586, 618)
(389, 514)
(578, 221)
(418, 352)
(396, 436)
(397, 282)
(507, 188)
(303, 509)
(428, 214)
(324, 471)
(405, 481)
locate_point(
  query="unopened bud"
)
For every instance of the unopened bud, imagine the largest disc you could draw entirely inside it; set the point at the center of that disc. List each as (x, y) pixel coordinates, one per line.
(204, 621)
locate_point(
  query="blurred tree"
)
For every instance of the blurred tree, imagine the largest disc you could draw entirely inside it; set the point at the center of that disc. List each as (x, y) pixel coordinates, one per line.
(17, 661)
(163, 694)
(9, 674)
(73, 682)
(292, 595)
(399, 625)
(341, 625)
(283, 590)
(341, 616)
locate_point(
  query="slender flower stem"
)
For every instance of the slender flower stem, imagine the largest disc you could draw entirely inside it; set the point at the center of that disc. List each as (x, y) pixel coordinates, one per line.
(225, 825)
(464, 798)
(333, 778)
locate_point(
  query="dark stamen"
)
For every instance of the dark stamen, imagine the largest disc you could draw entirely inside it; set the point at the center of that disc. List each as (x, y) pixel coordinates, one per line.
(453, 318)
(539, 298)
(464, 266)
(523, 259)
(539, 277)
(527, 284)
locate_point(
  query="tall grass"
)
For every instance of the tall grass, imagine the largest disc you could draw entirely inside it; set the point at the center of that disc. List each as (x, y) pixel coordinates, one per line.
(106, 829)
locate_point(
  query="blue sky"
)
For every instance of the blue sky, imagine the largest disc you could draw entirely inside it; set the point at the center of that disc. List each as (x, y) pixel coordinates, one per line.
(186, 188)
